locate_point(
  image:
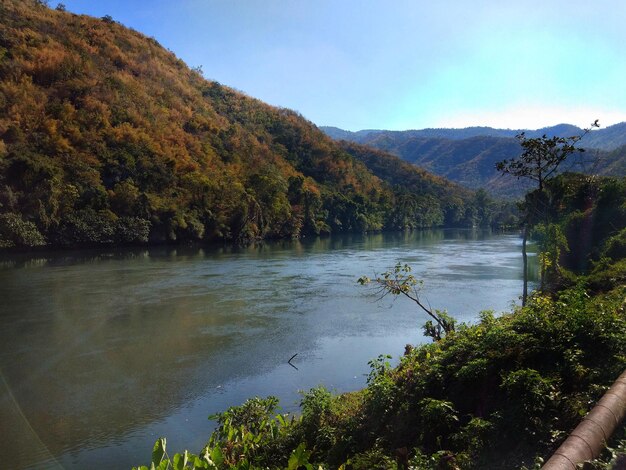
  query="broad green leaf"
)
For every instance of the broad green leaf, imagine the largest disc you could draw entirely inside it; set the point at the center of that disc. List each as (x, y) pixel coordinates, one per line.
(216, 456)
(164, 465)
(299, 457)
(158, 451)
(197, 463)
(177, 462)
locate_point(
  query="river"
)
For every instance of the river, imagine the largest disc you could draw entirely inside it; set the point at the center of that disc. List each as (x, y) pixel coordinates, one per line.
(103, 351)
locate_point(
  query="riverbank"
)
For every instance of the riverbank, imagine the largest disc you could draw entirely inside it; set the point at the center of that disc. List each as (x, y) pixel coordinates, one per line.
(154, 340)
(502, 393)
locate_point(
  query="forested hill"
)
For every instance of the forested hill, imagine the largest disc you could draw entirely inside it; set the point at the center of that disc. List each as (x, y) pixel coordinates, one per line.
(468, 156)
(106, 137)
(609, 138)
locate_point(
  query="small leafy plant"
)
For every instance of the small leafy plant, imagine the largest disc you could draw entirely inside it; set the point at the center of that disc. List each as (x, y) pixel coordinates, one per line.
(399, 281)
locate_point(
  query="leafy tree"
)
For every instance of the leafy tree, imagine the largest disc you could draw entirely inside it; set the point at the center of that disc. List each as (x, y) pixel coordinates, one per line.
(552, 242)
(542, 156)
(14, 231)
(540, 159)
(484, 206)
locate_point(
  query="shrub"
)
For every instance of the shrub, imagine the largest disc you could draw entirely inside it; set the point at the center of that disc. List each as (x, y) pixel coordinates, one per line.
(16, 232)
(615, 247)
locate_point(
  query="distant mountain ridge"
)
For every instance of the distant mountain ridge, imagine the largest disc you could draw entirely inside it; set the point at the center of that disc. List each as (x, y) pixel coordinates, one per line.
(468, 156)
(608, 138)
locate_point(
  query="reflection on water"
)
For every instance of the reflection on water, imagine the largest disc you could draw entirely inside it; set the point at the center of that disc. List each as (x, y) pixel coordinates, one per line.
(101, 352)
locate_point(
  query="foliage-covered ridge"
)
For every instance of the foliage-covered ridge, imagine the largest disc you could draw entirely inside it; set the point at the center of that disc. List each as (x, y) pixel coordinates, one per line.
(106, 137)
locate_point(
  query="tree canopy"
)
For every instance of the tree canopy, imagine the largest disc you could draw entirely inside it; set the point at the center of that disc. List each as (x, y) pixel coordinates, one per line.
(541, 156)
(106, 137)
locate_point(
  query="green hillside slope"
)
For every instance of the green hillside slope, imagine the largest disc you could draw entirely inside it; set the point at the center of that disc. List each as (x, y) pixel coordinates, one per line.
(106, 137)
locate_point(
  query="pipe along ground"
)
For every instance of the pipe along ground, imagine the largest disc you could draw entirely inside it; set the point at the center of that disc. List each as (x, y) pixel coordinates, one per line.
(592, 434)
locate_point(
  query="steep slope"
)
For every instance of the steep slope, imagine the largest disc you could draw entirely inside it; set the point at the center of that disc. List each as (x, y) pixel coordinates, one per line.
(106, 137)
(609, 138)
(614, 163)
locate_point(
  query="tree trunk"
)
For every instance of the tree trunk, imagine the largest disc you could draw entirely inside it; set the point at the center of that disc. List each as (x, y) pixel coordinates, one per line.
(525, 258)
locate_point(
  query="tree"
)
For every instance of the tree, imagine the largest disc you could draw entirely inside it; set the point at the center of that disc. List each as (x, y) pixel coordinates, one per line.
(484, 208)
(542, 156)
(540, 159)
(400, 281)
(16, 232)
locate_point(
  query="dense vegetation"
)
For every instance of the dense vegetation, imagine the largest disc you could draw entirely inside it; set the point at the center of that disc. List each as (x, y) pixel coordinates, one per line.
(468, 156)
(106, 137)
(502, 393)
(424, 202)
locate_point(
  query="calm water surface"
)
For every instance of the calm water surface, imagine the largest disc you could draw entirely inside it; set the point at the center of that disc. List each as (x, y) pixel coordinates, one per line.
(101, 352)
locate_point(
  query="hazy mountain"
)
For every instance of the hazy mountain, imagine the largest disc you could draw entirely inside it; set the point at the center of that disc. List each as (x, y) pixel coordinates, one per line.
(614, 163)
(468, 156)
(608, 138)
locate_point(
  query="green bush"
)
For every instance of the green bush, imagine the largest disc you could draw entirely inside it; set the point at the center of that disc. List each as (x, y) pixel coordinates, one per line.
(86, 227)
(16, 232)
(253, 435)
(615, 247)
(132, 230)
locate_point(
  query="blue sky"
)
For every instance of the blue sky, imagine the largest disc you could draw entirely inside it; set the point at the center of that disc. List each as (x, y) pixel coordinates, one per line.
(394, 64)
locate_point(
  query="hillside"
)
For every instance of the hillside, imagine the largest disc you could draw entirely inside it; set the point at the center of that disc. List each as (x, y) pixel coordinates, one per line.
(429, 200)
(616, 161)
(106, 137)
(468, 156)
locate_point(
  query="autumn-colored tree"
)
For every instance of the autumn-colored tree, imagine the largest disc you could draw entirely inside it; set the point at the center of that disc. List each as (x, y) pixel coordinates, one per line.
(104, 134)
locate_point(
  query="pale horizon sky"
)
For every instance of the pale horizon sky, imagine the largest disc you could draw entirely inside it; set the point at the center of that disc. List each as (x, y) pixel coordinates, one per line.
(401, 64)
